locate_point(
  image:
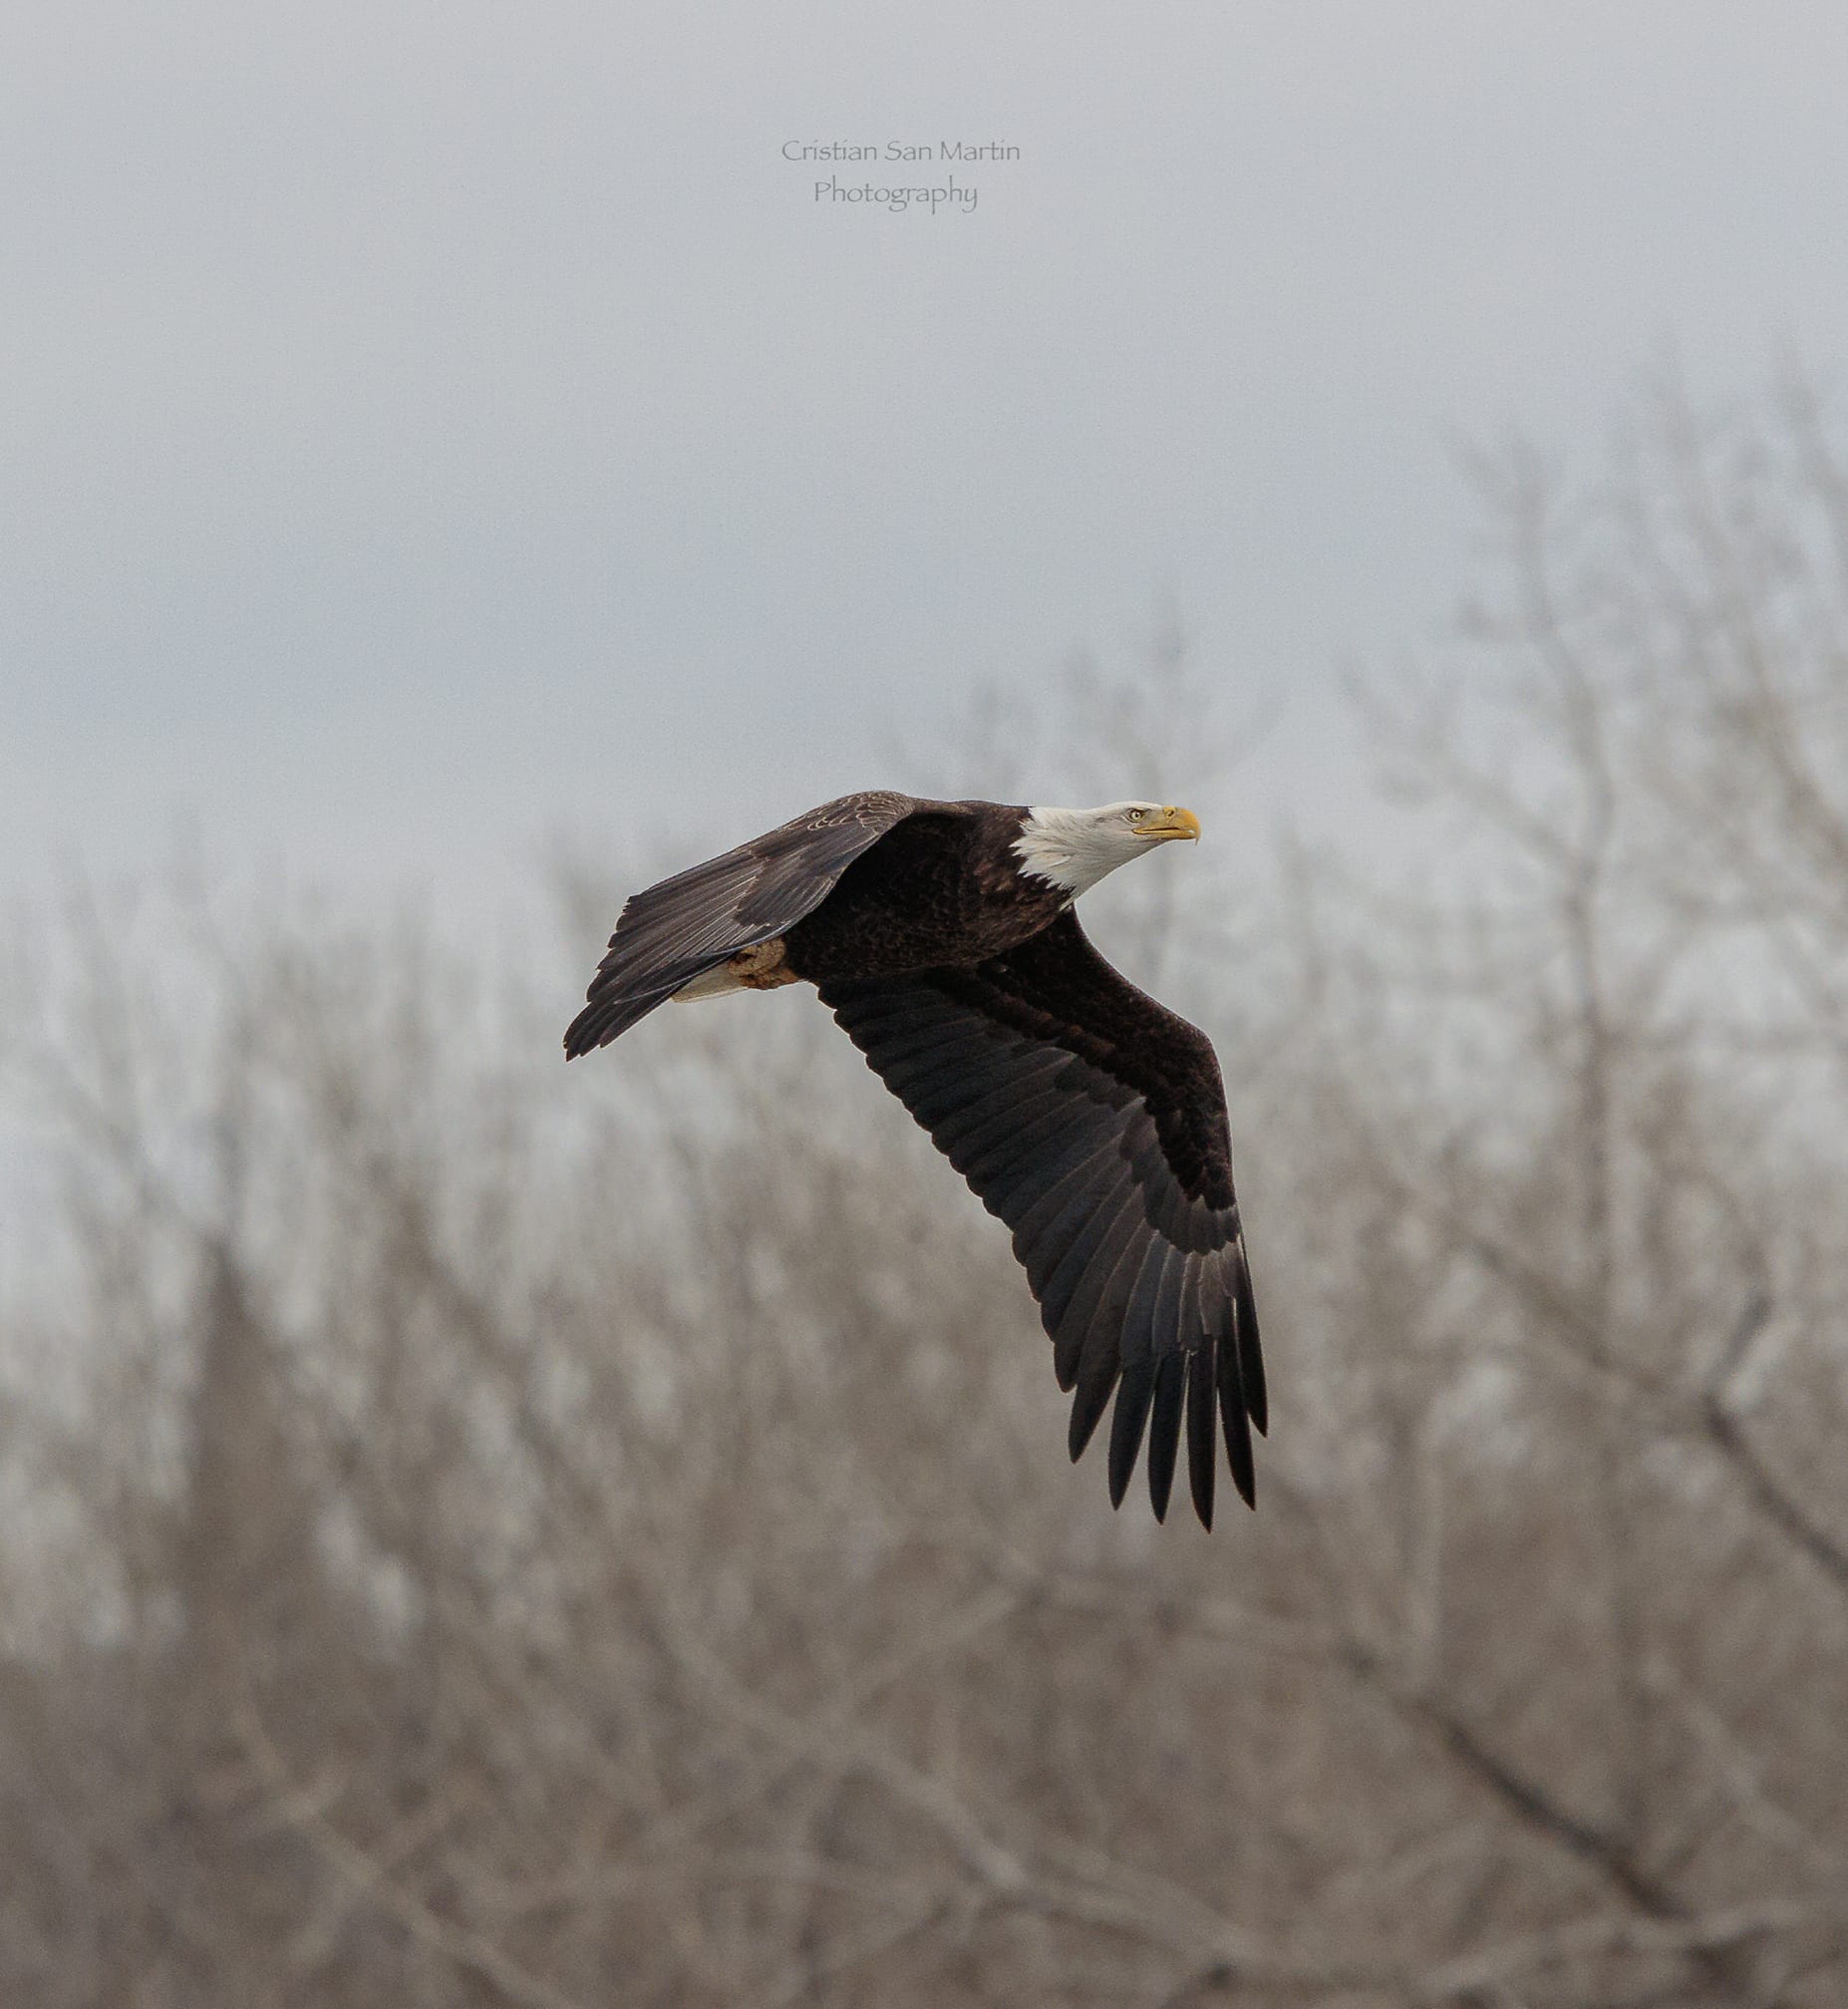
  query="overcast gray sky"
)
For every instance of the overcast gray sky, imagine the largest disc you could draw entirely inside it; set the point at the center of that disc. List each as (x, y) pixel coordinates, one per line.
(429, 427)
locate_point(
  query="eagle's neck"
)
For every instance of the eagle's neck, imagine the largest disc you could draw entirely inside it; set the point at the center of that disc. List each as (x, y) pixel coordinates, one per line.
(1069, 847)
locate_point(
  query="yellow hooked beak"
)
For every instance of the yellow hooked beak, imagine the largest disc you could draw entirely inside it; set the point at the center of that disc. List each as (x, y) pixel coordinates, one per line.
(1172, 823)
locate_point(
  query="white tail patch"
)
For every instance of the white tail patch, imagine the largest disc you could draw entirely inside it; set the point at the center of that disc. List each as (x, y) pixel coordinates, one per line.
(715, 984)
(756, 968)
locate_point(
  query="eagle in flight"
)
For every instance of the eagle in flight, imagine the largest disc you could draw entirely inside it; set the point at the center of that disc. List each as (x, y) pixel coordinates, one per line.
(1085, 1115)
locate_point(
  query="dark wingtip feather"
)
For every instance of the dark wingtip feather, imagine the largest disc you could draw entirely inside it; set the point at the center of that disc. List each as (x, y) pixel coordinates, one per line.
(608, 1014)
(1096, 1377)
(1164, 1427)
(596, 1025)
(580, 1035)
(1202, 1449)
(1250, 1357)
(1238, 1438)
(1127, 1421)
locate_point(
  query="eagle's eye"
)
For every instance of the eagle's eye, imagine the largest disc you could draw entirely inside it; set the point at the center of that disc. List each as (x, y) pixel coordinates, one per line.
(1134, 816)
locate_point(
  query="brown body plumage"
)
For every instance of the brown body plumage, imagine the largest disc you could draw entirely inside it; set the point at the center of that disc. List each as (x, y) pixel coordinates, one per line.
(940, 889)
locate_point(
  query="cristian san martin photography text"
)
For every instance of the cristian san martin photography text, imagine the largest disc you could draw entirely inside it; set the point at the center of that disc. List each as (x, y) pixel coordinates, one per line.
(898, 196)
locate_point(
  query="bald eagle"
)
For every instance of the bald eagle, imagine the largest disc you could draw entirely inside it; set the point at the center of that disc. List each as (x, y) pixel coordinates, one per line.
(1086, 1116)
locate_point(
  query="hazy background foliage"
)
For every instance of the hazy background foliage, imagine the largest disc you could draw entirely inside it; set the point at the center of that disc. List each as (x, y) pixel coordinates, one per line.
(479, 1532)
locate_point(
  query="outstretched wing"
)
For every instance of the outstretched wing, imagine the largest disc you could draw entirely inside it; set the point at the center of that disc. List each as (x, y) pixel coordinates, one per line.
(1092, 1122)
(674, 931)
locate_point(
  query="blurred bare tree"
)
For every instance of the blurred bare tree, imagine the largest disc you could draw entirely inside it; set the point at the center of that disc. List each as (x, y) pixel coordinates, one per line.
(484, 1535)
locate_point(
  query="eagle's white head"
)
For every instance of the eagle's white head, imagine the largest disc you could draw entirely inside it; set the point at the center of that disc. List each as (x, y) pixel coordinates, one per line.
(1076, 847)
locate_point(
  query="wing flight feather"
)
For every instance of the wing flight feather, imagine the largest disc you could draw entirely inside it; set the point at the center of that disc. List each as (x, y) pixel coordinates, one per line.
(690, 923)
(1093, 1121)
